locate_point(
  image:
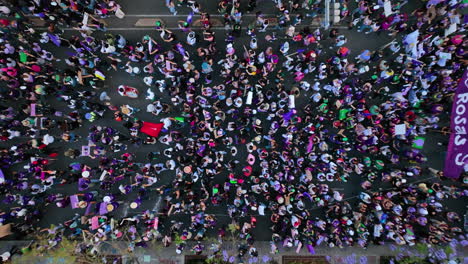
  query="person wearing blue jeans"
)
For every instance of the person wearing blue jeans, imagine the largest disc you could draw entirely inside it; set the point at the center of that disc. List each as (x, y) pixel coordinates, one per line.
(363, 27)
(170, 4)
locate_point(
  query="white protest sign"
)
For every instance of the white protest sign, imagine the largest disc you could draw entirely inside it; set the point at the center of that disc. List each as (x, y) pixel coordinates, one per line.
(85, 19)
(292, 102)
(400, 129)
(451, 29)
(249, 98)
(387, 8)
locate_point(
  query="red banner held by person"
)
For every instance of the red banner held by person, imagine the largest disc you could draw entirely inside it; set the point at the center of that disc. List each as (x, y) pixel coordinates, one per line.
(152, 129)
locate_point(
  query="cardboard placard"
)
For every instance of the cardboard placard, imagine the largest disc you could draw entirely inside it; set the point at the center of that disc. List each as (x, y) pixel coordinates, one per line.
(5, 230)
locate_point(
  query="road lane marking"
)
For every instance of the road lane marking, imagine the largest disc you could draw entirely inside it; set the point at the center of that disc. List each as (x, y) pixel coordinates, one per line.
(172, 28)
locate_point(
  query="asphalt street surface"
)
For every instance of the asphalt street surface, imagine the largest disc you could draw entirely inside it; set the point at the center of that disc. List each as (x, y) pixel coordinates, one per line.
(434, 148)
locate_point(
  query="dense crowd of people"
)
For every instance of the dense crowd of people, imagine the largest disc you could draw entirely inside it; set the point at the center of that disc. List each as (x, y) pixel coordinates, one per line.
(232, 136)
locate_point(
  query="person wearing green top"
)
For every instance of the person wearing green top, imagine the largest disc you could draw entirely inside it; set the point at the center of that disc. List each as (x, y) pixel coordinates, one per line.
(23, 57)
(374, 110)
(343, 113)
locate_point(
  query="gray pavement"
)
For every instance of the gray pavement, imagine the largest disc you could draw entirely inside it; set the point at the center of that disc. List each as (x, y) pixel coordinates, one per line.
(138, 9)
(141, 9)
(351, 189)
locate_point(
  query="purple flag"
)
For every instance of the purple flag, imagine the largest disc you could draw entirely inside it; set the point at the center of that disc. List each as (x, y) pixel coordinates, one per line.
(103, 208)
(83, 44)
(200, 150)
(457, 153)
(311, 249)
(55, 39)
(2, 176)
(74, 201)
(82, 184)
(189, 18)
(310, 145)
(434, 2)
(288, 115)
(89, 209)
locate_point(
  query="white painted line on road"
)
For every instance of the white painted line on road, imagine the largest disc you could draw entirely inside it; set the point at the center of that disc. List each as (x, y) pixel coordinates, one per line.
(215, 15)
(152, 16)
(170, 28)
(178, 16)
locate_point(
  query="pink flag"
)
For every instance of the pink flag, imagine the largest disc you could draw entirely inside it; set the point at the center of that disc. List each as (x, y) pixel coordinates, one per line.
(156, 222)
(33, 109)
(299, 246)
(94, 223)
(311, 144)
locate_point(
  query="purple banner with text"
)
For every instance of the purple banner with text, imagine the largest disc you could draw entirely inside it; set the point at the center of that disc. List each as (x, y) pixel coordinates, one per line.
(457, 153)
